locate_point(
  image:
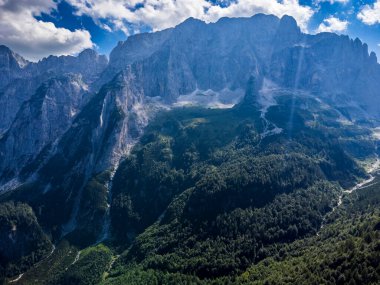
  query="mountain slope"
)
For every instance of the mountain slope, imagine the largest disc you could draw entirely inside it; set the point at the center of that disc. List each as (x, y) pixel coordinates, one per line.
(20, 79)
(218, 196)
(223, 204)
(40, 121)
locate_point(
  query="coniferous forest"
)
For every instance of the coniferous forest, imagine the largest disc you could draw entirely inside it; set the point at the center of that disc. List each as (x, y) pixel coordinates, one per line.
(203, 198)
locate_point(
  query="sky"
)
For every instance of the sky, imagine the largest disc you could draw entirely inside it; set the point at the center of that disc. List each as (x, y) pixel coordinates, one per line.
(39, 28)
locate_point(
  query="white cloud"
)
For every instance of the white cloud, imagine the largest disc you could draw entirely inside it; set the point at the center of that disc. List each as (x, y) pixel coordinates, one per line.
(34, 39)
(333, 25)
(370, 14)
(161, 14)
(333, 1)
(246, 8)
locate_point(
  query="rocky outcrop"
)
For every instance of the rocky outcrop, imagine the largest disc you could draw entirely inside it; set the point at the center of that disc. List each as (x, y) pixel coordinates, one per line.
(251, 96)
(89, 64)
(11, 66)
(41, 120)
(39, 102)
(19, 78)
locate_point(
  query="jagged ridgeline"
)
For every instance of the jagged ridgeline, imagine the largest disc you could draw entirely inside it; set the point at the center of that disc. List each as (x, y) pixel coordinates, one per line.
(203, 154)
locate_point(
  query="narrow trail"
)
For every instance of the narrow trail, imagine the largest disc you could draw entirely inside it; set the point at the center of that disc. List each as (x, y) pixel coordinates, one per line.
(76, 258)
(51, 252)
(17, 279)
(366, 183)
(361, 185)
(22, 274)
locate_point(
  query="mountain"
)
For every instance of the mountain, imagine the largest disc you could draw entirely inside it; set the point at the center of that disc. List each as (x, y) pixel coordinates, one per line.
(176, 61)
(41, 120)
(39, 103)
(20, 79)
(198, 154)
(11, 65)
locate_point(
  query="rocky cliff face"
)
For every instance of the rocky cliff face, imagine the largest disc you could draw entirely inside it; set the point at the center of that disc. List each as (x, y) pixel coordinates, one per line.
(39, 102)
(195, 55)
(41, 120)
(97, 138)
(13, 66)
(19, 79)
(88, 63)
(332, 66)
(199, 55)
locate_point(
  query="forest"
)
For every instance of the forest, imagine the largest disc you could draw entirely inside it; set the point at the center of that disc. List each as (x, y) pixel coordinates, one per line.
(206, 198)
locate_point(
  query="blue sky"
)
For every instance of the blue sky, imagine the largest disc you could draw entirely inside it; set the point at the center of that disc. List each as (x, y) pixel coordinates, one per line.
(38, 28)
(64, 17)
(368, 33)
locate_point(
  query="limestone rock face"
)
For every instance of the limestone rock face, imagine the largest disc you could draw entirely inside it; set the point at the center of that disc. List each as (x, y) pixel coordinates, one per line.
(19, 78)
(196, 55)
(41, 120)
(88, 63)
(11, 66)
(39, 101)
(251, 96)
(334, 67)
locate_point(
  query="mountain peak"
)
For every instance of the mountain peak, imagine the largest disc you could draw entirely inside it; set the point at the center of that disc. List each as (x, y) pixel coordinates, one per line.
(255, 81)
(288, 25)
(191, 20)
(5, 49)
(373, 57)
(289, 21)
(190, 24)
(6, 56)
(88, 52)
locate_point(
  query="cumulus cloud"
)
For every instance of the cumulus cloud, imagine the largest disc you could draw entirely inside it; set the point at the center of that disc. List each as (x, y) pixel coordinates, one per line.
(333, 25)
(32, 38)
(129, 15)
(370, 14)
(333, 1)
(246, 8)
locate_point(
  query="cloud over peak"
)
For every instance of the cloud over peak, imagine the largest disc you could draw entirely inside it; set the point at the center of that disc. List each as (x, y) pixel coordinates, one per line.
(333, 25)
(38, 28)
(370, 14)
(130, 15)
(34, 39)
